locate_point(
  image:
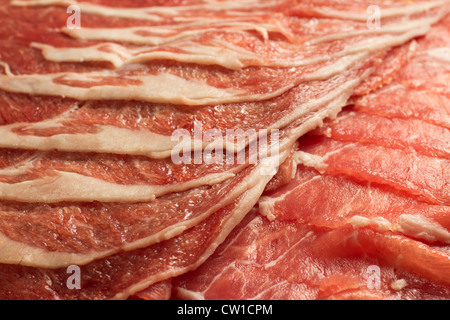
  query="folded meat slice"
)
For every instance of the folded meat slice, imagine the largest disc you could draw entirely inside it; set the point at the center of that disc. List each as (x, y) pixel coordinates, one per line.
(159, 291)
(400, 101)
(408, 134)
(360, 203)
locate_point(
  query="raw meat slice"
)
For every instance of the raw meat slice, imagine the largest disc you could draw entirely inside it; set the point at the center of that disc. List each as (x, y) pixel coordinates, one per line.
(284, 174)
(55, 177)
(394, 250)
(399, 101)
(384, 74)
(29, 250)
(358, 10)
(122, 275)
(63, 234)
(143, 129)
(248, 200)
(32, 255)
(420, 90)
(291, 260)
(159, 291)
(61, 133)
(201, 86)
(95, 189)
(351, 226)
(343, 200)
(192, 10)
(163, 12)
(96, 183)
(413, 173)
(411, 134)
(129, 269)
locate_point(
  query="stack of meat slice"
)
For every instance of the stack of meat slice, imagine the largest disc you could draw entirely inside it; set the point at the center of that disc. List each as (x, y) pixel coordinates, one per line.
(90, 119)
(367, 215)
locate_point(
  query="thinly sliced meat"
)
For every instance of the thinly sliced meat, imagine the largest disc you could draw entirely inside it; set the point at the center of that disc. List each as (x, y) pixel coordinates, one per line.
(393, 250)
(122, 275)
(159, 291)
(406, 134)
(285, 173)
(358, 10)
(60, 235)
(418, 91)
(400, 142)
(423, 176)
(162, 12)
(190, 85)
(344, 200)
(29, 250)
(195, 10)
(56, 177)
(228, 52)
(131, 128)
(388, 131)
(35, 266)
(77, 177)
(240, 50)
(96, 180)
(23, 252)
(385, 73)
(290, 260)
(187, 52)
(248, 201)
(110, 131)
(105, 85)
(351, 226)
(399, 101)
(432, 61)
(138, 128)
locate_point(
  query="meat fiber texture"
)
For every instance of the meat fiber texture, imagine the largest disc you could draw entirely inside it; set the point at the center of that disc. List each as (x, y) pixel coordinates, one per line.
(89, 181)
